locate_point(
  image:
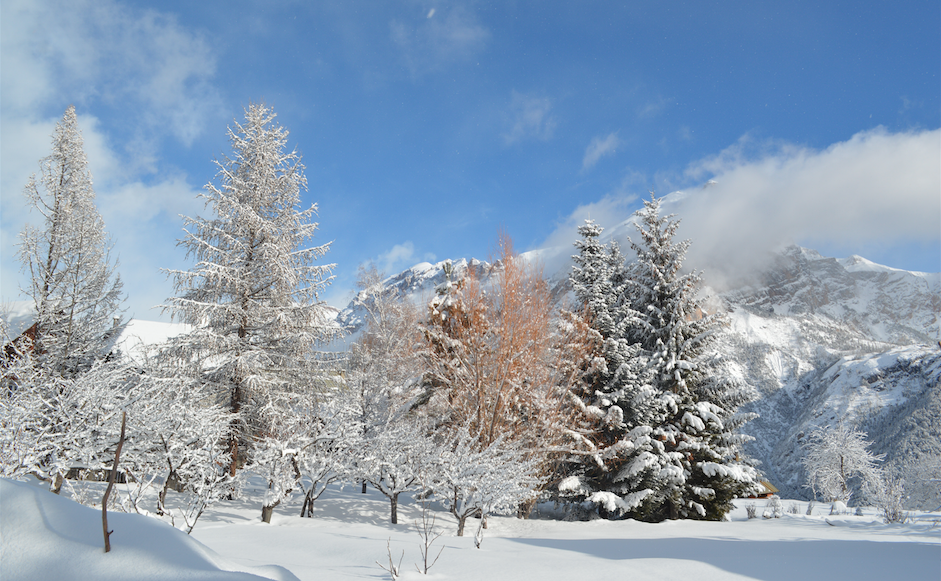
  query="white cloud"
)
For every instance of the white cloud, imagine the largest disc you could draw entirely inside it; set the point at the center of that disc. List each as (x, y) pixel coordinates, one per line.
(654, 107)
(608, 212)
(439, 39)
(598, 148)
(876, 188)
(397, 258)
(529, 118)
(144, 223)
(55, 53)
(105, 53)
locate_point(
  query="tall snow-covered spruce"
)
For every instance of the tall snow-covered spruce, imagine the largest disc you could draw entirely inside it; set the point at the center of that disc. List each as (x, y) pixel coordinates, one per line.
(253, 294)
(701, 469)
(75, 288)
(664, 405)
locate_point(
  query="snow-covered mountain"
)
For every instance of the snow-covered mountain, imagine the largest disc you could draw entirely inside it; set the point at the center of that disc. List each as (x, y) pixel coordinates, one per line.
(827, 340)
(822, 339)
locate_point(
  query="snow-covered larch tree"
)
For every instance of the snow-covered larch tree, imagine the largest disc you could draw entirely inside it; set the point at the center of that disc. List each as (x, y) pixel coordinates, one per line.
(493, 360)
(73, 283)
(253, 294)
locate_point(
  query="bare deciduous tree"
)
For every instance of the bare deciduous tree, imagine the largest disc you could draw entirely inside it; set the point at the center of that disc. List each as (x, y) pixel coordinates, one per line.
(835, 456)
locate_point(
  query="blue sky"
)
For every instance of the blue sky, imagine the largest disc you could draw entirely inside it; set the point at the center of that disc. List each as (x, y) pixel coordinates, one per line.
(426, 127)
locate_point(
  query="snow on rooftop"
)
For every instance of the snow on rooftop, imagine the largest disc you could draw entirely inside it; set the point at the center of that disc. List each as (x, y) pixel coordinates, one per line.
(139, 334)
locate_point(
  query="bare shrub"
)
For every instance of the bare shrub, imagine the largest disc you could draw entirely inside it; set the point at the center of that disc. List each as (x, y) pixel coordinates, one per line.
(426, 530)
(752, 511)
(393, 569)
(838, 507)
(890, 496)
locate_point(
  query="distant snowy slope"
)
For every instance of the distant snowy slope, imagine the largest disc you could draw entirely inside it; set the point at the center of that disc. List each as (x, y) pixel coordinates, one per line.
(17, 316)
(893, 396)
(825, 339)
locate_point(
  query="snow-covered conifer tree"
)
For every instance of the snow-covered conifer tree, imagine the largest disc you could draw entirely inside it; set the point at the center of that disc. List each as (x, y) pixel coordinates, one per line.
(253, 294)
(598, 281)
(617, 403)
(700, 470)
(665, 409)
(73, 283)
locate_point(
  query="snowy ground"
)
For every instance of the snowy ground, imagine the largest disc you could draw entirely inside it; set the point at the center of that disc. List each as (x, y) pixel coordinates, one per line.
(44, 536)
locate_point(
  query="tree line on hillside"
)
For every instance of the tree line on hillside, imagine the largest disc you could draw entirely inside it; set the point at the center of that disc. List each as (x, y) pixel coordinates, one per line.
(489, 398)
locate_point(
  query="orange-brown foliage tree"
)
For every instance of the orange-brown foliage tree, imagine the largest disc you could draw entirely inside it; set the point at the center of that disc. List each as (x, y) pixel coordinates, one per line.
(496, 361)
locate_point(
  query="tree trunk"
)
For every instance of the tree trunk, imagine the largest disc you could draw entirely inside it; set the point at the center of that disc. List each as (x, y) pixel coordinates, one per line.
(364, 487)
(114, 472)
(308, 509)
(394, 500)
(235, 404)
(267, 511)
(525, 509)
(161, 499)
(57, 481)
(460, 524)
(171, 481)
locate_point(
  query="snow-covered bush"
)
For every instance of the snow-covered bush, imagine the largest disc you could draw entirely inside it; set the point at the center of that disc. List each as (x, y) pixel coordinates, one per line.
(774, 508)
(395, 458)
(838, 507)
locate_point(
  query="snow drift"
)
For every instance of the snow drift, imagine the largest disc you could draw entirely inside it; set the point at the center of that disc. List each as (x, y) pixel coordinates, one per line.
(46, 536)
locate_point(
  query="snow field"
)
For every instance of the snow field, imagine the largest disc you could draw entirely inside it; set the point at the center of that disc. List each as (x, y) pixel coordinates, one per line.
(46, 537)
